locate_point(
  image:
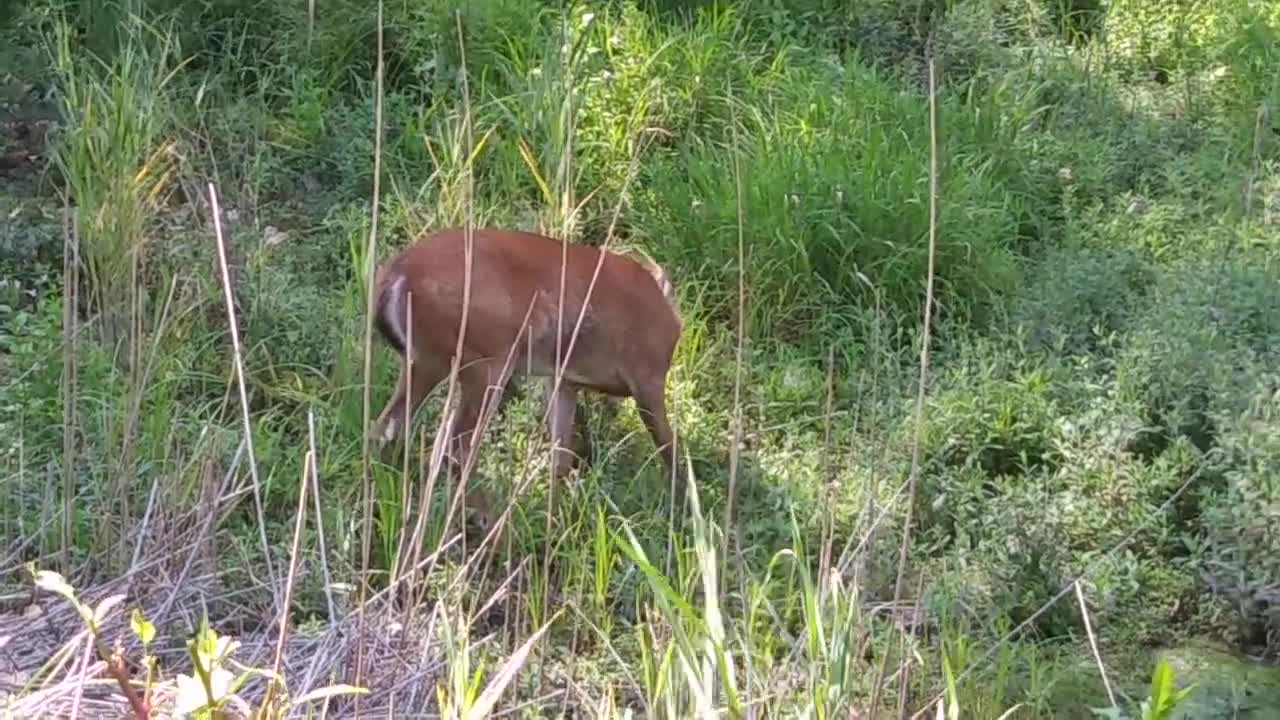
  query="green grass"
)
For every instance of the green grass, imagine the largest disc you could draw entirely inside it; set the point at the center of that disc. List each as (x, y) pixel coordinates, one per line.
(1102, 363)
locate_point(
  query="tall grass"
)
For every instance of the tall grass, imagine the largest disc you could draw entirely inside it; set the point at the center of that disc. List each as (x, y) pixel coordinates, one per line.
(834, 202)
(116, 156)
(117, 159)
(789, 195)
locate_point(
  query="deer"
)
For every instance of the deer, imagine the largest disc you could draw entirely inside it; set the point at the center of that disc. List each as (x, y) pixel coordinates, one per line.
(609, 317)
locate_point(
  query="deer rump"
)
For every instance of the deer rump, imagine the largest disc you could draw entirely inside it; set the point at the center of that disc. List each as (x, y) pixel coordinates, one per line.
(516, 326)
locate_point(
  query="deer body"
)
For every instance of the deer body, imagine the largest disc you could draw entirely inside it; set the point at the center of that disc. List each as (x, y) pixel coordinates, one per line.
(516, 326)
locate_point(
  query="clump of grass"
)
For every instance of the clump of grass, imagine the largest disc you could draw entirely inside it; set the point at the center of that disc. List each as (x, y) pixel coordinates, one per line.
(117, 160)
(815, 244)
(835, 207)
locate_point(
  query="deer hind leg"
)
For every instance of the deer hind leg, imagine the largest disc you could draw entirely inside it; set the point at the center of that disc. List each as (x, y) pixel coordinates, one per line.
(414, 385)
(481, 389)
(562, 412)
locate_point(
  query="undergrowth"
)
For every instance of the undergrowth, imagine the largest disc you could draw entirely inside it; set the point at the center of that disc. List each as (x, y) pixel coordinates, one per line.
(1098, 439)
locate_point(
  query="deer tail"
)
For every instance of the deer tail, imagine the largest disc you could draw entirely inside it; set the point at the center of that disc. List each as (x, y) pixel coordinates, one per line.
(391, 314)
(657, 272)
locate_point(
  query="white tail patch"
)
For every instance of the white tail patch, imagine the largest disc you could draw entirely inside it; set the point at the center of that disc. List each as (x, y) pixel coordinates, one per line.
(394, 312)
(658, 274)
(664, 282)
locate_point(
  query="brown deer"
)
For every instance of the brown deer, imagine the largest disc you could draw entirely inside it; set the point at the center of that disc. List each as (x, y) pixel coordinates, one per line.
(516, 325)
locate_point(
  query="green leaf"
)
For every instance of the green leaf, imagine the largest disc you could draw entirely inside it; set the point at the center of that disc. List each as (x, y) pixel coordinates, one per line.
(53, 582)
(248, 673)
(330, 691)
(1165, 697)
(205, 645)
(489, 698)
(1161, 684)
(658, 582)
(1009, 713)
(953, 711)
(142, 627)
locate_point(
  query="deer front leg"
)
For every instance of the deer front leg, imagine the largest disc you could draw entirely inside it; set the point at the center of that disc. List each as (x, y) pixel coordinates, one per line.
(652, 404)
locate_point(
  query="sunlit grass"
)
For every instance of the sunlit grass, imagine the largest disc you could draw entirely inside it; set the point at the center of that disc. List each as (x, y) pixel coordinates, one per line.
(683, 137)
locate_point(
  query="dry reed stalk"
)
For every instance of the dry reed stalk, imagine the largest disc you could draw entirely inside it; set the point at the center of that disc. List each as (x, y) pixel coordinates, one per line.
(370, 257)
(315, 496)
(308, 461)
(71, 298)
(244, 397)
(914, 477)
(735, 446)
(1093, 643)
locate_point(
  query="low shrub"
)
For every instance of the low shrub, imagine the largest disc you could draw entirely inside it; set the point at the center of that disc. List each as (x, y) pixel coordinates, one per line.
(1241, 521)
(1079, 298)
(1164, 36)
(1036, 473)
(1203, 363)
(1198, 345)
(1148, 459)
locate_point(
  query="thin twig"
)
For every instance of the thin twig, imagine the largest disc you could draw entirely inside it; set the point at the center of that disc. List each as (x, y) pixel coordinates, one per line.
(308, 461)
(905, 544)
(210, 518)
(1255, 160)
(135, 409)
(406, 493)
(1093, 642)
(244, 397)
(370, 255)
(1044, 608)
(468, 245)
(84, 671)
(735, 446)
(315, 496)
(70, 300)
(829, 479)
(905, 670)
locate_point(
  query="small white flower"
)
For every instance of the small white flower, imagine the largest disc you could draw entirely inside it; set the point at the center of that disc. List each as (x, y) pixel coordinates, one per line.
(191, 693)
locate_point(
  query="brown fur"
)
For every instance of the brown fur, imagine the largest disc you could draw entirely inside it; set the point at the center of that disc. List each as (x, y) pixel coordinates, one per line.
(623, 348)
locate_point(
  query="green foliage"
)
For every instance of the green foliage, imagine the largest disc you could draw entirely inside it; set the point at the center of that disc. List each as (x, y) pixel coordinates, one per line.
(1038, 463)
(833, 210)
(1077, 20)
(1241, 542)
(823, 25)
(1166, 36)
(1201, 345)
(1251, 52)
(1080, 300)
(1102, 383)
(31, 394)
(1029, 472)
(1162, 699)
(115, 158)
